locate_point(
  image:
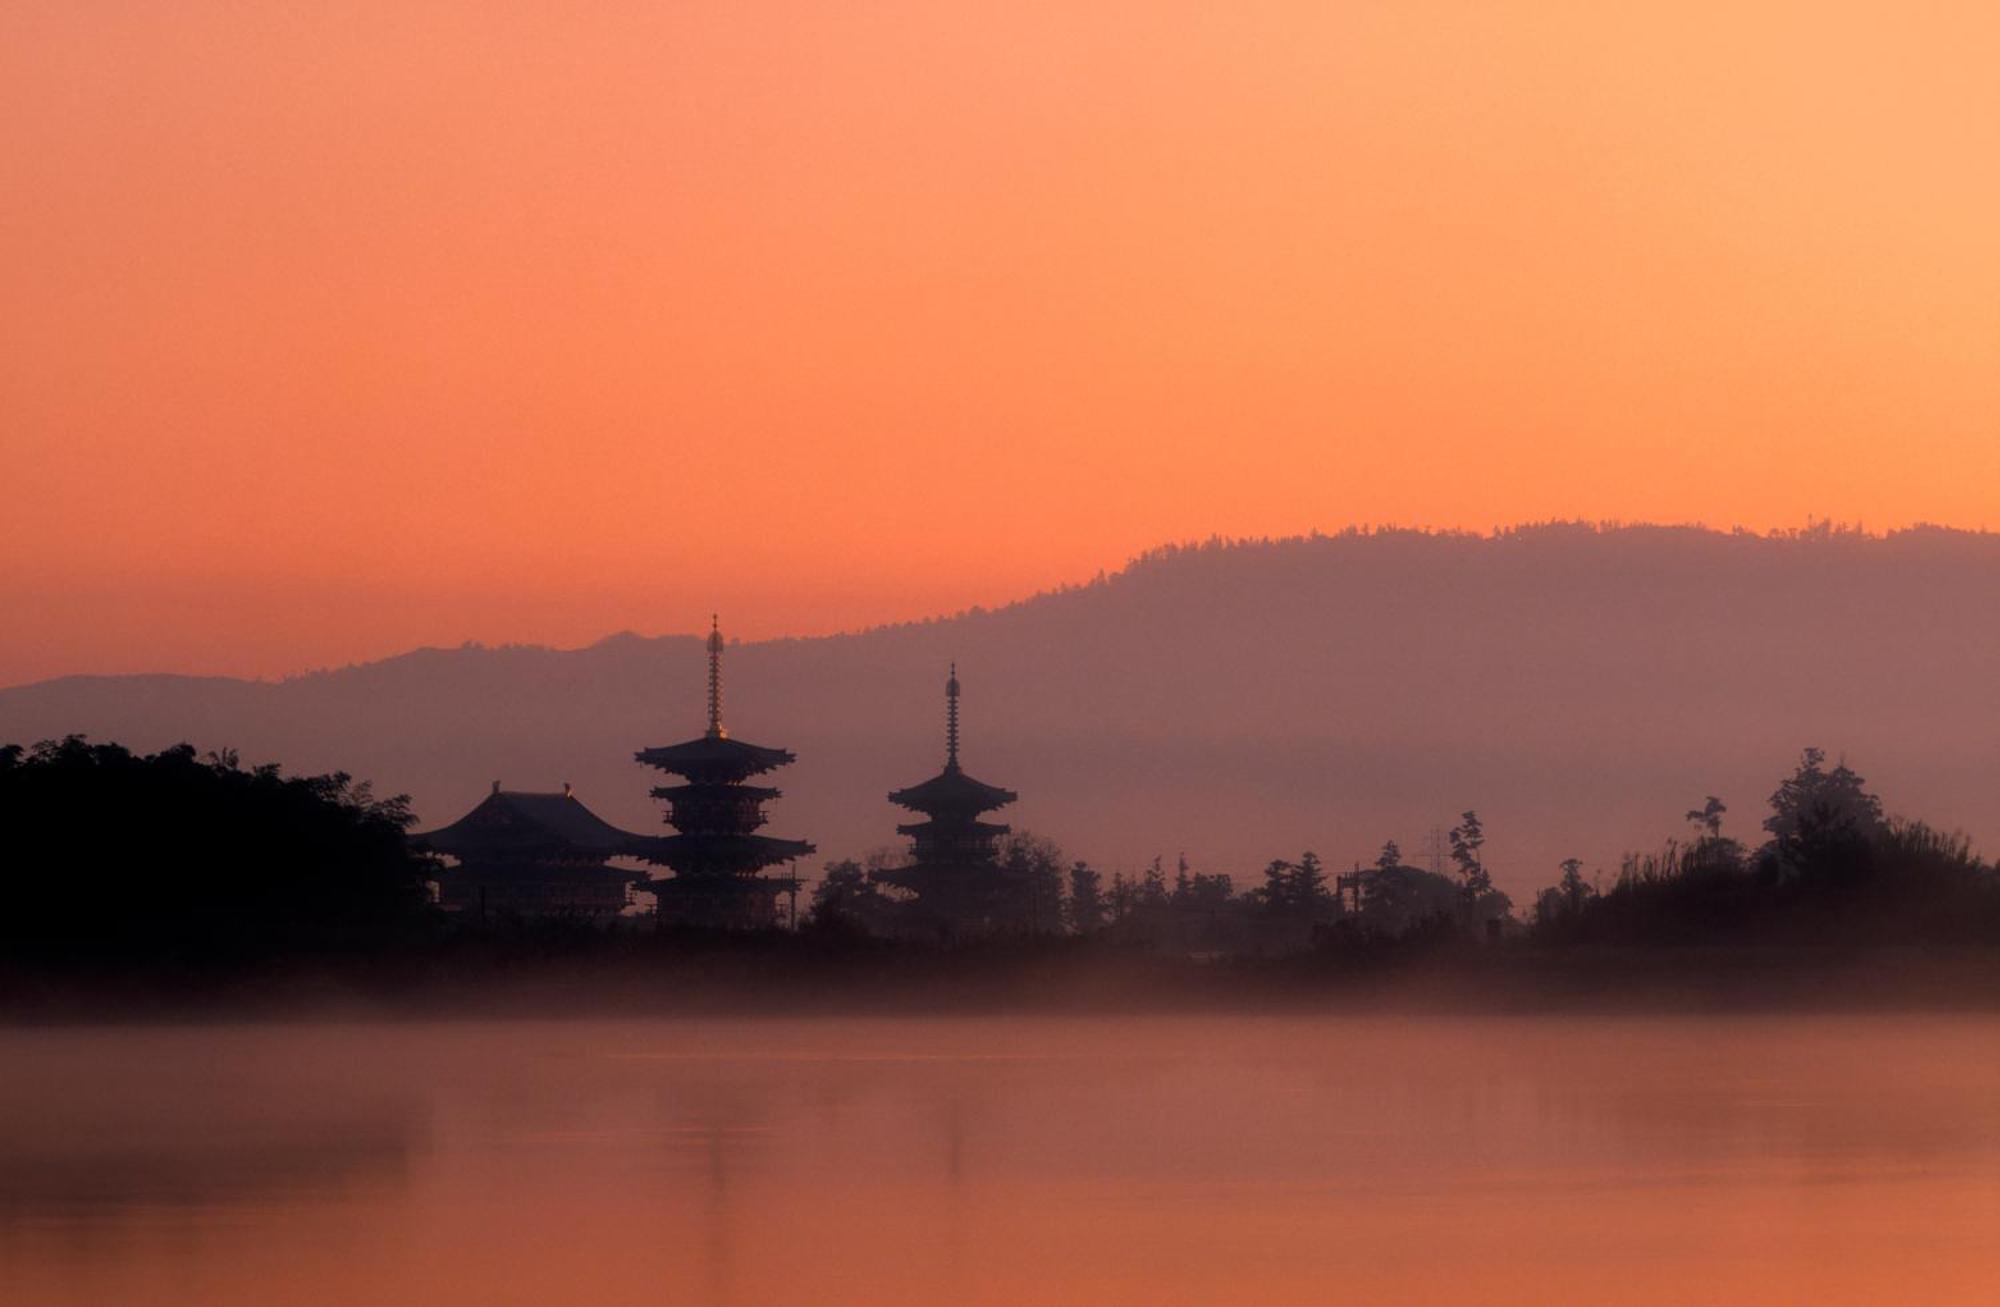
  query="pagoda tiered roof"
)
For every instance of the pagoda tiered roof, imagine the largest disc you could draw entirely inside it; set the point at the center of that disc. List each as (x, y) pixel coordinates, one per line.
(987, 829)
(710, 789)
(728, 854)
(715, 754)
(951, 790)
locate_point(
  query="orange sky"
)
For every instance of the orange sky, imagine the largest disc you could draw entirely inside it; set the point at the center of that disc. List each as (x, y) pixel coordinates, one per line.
(330, 333)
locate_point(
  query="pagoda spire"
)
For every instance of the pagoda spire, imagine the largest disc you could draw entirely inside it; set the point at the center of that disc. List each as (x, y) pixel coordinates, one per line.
(951, 720)
(715, 728)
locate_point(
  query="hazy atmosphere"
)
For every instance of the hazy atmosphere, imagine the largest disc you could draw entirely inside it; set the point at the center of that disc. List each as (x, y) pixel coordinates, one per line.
(336, 330)
(985, 1161)
(1582, 689)
(1105, 652)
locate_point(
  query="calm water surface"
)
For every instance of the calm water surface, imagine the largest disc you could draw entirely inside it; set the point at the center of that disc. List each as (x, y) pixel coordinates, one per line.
(1029, 1160)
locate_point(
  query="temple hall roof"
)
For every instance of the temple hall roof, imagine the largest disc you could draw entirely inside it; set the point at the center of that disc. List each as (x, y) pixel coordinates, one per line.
(513, 820)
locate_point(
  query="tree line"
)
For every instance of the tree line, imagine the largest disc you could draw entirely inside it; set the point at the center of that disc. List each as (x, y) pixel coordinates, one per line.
(179, 857)
(1831, 868)
(108, 856)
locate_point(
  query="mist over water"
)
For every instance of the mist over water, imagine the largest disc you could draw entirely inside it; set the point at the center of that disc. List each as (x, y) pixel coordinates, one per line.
(1004, 1160)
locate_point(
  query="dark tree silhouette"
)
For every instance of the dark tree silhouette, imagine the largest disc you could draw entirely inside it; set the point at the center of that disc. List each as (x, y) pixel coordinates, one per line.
(1821, 820)
(1031, 883)
(1296, 890)
(1575, 889)
(1399, 900)
(1122, 899)
(1203, 892)
(1467, 839)
(1564, 900)
(846, 899)
(1307, 891)
(114, 855)
(1835, 871)
(1275, 893)
(1086, 899)
(1707, 819)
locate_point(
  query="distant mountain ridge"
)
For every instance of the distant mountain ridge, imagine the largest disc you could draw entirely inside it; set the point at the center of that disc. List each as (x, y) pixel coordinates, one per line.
(1582, 687)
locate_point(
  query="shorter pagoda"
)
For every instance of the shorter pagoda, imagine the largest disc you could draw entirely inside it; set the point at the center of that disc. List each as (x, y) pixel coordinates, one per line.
(531, 854)
(716, 855)
(955, 882)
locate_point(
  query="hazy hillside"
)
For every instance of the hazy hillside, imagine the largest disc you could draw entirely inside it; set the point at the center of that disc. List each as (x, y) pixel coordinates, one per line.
(1581, 688)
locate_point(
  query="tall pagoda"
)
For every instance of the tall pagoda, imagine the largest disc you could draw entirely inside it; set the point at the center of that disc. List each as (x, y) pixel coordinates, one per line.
(715, 853)
(954, 877)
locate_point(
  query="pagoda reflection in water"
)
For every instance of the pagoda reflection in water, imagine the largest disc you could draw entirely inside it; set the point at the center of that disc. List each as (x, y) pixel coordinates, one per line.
(716, 856)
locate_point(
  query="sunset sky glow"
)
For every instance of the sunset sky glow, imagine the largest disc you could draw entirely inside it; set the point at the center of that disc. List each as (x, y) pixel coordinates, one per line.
(333, 330)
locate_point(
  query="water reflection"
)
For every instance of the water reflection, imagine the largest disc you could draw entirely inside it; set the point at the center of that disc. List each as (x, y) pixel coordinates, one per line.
(1001, 1160)
(101, 1127)
(288, 1157)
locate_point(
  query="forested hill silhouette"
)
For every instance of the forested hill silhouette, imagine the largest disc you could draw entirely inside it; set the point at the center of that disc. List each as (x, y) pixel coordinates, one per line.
(1234, 700)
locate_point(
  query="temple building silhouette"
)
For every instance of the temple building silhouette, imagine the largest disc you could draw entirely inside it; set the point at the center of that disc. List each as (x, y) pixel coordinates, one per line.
(716, 855)
(955, 882)
(531, 854)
